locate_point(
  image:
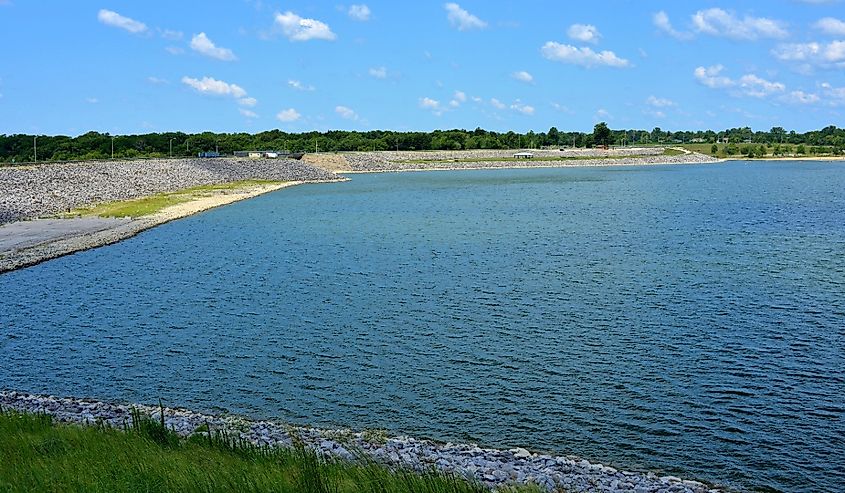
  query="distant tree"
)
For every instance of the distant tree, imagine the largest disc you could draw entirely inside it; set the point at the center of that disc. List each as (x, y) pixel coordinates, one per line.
(714, 149)
(554, 136)
(800, 149)
(601, 134)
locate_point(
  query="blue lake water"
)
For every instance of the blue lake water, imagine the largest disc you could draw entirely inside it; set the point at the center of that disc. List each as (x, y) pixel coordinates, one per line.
(683, 319)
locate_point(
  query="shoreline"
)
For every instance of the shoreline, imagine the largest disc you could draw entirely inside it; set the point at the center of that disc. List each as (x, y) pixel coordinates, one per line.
(492, 467)
(77, 241)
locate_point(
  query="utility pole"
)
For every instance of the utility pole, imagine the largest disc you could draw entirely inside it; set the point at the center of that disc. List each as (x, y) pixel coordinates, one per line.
(315, 145)
(171, 147)
(186, 146)
(35, 147)
(112, 146)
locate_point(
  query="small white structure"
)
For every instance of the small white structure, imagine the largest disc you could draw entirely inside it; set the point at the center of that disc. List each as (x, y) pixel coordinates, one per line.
(254, 154)
(523, 155)
(271, 155)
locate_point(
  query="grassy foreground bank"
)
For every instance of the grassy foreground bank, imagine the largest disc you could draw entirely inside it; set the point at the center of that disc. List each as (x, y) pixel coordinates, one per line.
(154, 203)
(37, 454)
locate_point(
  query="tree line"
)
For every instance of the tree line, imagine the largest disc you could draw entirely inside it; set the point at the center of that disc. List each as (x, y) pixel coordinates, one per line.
(19, 148)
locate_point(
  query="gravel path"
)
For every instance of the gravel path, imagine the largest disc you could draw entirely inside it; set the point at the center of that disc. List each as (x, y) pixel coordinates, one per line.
(492, 467)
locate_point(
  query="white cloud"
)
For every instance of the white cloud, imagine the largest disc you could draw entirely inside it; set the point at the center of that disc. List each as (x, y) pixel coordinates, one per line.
(710, 77)
(359, 12)
(297, 28)
(757, 87)
(659, 102)
(458, 98)
(583, 56)
(497, 104)
(92, 100)
(831, 26)
(602, 114)
(801, 97)
(299, 86)
(525, 109)
(203, 45)
(830, 55)
(429, 104)
(585, 33)
(378, 72)
(114, 19)
(288, 115)
(747, 85)
(174, 50)
(247, 102)
(661, 21)
(562, 108)
(170, 34)
(461, 19)
(208, 85)
(156, 80)
(523, 76)
(718, 22)
(248, 113)
(346, 113)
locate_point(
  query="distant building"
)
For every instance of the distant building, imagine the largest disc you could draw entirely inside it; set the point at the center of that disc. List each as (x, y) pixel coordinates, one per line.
(208, 154)
(258, 154)
(523, 155)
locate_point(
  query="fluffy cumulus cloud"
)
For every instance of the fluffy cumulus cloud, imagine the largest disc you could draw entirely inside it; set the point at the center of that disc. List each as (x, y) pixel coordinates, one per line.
(712, 78)
(583, 56)
(378, 72)
(747, 85)
(497, 104)
(204, 46)
(585, 33)
(831, 26)
(288, 115)
(662, 22)
(359, 12)
(429, 104)
(299, 86)
(297, 28)
(824, 55)
(718, 22)
(346, 113)
(208, 85)
(247, 102)
(458, 98)
(758, 87)
(523, 76)
(248, 113)
(801, 97)
(461, 19)
(659, 102)
(111, 18)
(520, 107)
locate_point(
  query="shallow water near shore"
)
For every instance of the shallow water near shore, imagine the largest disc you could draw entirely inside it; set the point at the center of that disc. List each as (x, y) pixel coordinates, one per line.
(688, 319)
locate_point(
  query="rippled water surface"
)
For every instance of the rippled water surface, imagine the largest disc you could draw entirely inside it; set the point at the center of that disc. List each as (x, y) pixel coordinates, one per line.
(687, 319)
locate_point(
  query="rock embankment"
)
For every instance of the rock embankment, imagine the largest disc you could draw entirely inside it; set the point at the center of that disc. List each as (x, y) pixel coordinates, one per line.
(53, 188)
(489, 466)
(413, 161)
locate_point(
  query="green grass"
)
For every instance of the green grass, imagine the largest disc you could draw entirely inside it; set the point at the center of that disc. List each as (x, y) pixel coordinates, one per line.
(666, 152)
(39, 455)
(154, 203)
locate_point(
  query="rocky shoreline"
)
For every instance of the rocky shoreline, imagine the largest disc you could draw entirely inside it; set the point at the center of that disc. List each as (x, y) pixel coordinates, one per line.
(492, 467)
(54, 188)
(385, 161)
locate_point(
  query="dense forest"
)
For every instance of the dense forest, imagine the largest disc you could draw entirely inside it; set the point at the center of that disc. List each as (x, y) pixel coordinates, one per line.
(20, 148)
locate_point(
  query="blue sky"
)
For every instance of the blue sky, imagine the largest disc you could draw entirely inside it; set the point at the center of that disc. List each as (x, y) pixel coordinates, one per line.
(123, 66)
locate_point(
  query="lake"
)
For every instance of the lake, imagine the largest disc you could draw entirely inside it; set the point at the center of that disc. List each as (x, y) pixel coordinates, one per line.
(684, 319)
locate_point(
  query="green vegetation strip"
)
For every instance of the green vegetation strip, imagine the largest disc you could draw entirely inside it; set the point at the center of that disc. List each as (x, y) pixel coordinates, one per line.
(667, 152)
(154, 203)
(39, 455)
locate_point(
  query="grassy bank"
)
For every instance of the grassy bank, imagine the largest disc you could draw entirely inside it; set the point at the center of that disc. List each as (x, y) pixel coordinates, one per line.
(154, 203)
(39, 455)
